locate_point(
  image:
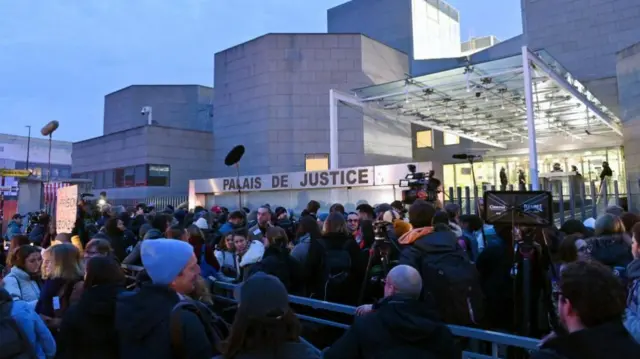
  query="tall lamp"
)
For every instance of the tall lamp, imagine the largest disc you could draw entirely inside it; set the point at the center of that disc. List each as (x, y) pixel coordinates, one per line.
(48, 130)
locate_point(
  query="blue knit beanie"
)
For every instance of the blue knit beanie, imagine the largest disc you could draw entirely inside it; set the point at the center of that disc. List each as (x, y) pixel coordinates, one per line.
(164, 259)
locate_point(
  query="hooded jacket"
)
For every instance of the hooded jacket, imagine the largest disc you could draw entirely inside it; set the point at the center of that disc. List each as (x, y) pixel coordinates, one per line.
(33, 327)
(143, 326)
(612, 250)
(400, 327)
(610, 340)
(87, 329)
(13, 229)
(21, 287)
(632, 315)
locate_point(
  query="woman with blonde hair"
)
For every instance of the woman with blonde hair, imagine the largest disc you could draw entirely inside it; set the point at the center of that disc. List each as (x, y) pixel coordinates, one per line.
(61, 270)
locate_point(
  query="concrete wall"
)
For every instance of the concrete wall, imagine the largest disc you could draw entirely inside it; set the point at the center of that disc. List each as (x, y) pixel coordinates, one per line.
(628, 75)
(273, 97)
(387, 21)
(179, 106)
(584, 36)
(187, 152)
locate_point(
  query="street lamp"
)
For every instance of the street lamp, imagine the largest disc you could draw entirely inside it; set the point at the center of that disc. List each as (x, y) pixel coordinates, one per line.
(26, 167)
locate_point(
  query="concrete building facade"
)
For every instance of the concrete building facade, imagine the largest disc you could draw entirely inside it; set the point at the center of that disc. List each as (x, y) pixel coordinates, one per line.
(585, 37)
(424, 29)
(272, 96)
(177, 106)
(476, 44)
(134, 160)
(145, 161)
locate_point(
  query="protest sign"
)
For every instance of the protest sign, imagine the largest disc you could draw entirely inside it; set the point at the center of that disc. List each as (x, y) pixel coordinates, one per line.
(66, 209)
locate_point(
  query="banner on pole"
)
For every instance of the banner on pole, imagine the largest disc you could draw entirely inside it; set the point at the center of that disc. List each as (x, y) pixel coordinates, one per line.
(66, 209)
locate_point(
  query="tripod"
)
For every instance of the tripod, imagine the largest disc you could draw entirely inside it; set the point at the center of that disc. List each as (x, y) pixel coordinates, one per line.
(380, 249)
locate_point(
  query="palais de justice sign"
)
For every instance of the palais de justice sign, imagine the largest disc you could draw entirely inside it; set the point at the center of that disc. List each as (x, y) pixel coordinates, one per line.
(344, 177)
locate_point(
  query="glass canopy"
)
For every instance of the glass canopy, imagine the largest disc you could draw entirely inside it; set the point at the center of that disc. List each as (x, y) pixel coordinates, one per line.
(485, 102)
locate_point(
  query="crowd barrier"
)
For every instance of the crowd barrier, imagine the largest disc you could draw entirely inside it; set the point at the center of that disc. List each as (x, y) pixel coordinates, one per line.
(499, 341)
(571, 201)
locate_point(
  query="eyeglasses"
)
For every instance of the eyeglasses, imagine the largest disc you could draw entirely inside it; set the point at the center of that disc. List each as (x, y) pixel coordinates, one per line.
(352, 220)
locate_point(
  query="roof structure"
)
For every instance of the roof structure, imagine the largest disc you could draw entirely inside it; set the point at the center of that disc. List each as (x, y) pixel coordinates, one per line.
(486, 102)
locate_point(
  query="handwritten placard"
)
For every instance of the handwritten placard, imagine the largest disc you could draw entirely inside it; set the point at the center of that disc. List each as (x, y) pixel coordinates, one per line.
(66, 209)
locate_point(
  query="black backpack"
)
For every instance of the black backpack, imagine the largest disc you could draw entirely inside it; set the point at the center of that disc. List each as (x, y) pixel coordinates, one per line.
(215, 327)
(452, 281)
(14, 343)
(336, 268)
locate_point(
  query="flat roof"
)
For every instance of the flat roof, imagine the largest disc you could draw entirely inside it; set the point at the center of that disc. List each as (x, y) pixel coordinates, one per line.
(485, 102)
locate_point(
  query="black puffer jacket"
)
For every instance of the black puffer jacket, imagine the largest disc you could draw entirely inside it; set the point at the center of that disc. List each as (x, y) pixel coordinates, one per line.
(399, 328)
(143, 325)
(607, 341)
(87, 329)
(613, 250)
(278, 262)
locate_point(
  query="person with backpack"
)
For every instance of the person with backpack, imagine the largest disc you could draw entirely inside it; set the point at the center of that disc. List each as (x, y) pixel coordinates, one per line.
(23, 334)
(449, 278)
(339, 273)
(62, 269)
(160, 321)
(398, 326)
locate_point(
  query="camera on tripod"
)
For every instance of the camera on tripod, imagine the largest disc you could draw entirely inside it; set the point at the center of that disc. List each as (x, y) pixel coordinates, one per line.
(419, 186)
(380, 231)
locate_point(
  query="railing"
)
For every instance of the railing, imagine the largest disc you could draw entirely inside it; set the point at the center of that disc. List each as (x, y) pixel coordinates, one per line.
(499, 341)
(574, 201)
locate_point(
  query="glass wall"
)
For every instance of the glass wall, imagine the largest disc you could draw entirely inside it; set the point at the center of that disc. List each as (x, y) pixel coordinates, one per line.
(588, 163)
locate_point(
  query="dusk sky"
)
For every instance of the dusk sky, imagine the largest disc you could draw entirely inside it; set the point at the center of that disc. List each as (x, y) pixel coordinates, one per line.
(58, 58)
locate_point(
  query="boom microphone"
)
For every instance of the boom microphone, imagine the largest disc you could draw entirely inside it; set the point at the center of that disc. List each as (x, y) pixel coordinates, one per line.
(464, 156)
(49, 128)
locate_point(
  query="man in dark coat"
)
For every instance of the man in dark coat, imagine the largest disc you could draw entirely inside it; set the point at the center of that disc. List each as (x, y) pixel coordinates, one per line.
(591, 305)
(399, 326)
(152, 323)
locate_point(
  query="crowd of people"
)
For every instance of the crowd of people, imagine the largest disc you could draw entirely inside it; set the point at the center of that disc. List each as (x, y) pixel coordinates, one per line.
(409, 272)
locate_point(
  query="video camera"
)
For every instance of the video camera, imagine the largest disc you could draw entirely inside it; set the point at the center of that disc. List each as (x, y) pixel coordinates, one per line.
(420, 186)
(380, 232)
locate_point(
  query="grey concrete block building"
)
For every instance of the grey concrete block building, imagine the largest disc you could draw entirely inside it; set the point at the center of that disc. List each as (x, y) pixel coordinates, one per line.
(133, 160)
(180, 106)
(272, 96)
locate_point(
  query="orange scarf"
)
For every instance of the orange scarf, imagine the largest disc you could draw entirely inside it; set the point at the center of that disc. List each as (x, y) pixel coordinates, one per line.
(414, 234)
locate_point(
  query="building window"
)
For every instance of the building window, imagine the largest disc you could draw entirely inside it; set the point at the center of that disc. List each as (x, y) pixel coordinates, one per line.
(424, 139)
(141, 175)
(451, 139)
(129, 177)
(109, 179)
(158, 176)
(316, 162)
(119, 178)
(99, 180)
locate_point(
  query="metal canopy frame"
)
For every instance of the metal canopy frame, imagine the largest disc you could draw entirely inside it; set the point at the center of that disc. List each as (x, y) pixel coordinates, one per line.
(496, 103)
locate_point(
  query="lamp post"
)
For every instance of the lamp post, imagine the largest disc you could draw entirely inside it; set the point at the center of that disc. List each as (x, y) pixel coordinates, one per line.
(48, 130)
(28, 147)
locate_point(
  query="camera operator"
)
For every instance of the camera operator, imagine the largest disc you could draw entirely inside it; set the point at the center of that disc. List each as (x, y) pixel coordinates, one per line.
(400, 325)
(433, 188)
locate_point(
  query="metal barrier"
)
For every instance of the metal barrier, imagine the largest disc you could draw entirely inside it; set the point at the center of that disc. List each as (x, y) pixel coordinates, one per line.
(571, 201)
(499, 341)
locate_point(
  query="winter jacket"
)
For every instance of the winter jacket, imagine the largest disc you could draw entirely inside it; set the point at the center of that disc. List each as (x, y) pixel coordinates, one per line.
(134, 257)
(632, 315)
(277, 262)
(87, 329)
(290, 350)
(21, 287)
(37, 234)
(301, 250)
(143, 326)
(227, 260)
(13, 229)
(316, 268)
(607, 341)
(610, 250)
(34, 328)
(415, 249)
(252, 256)
(400, 327)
